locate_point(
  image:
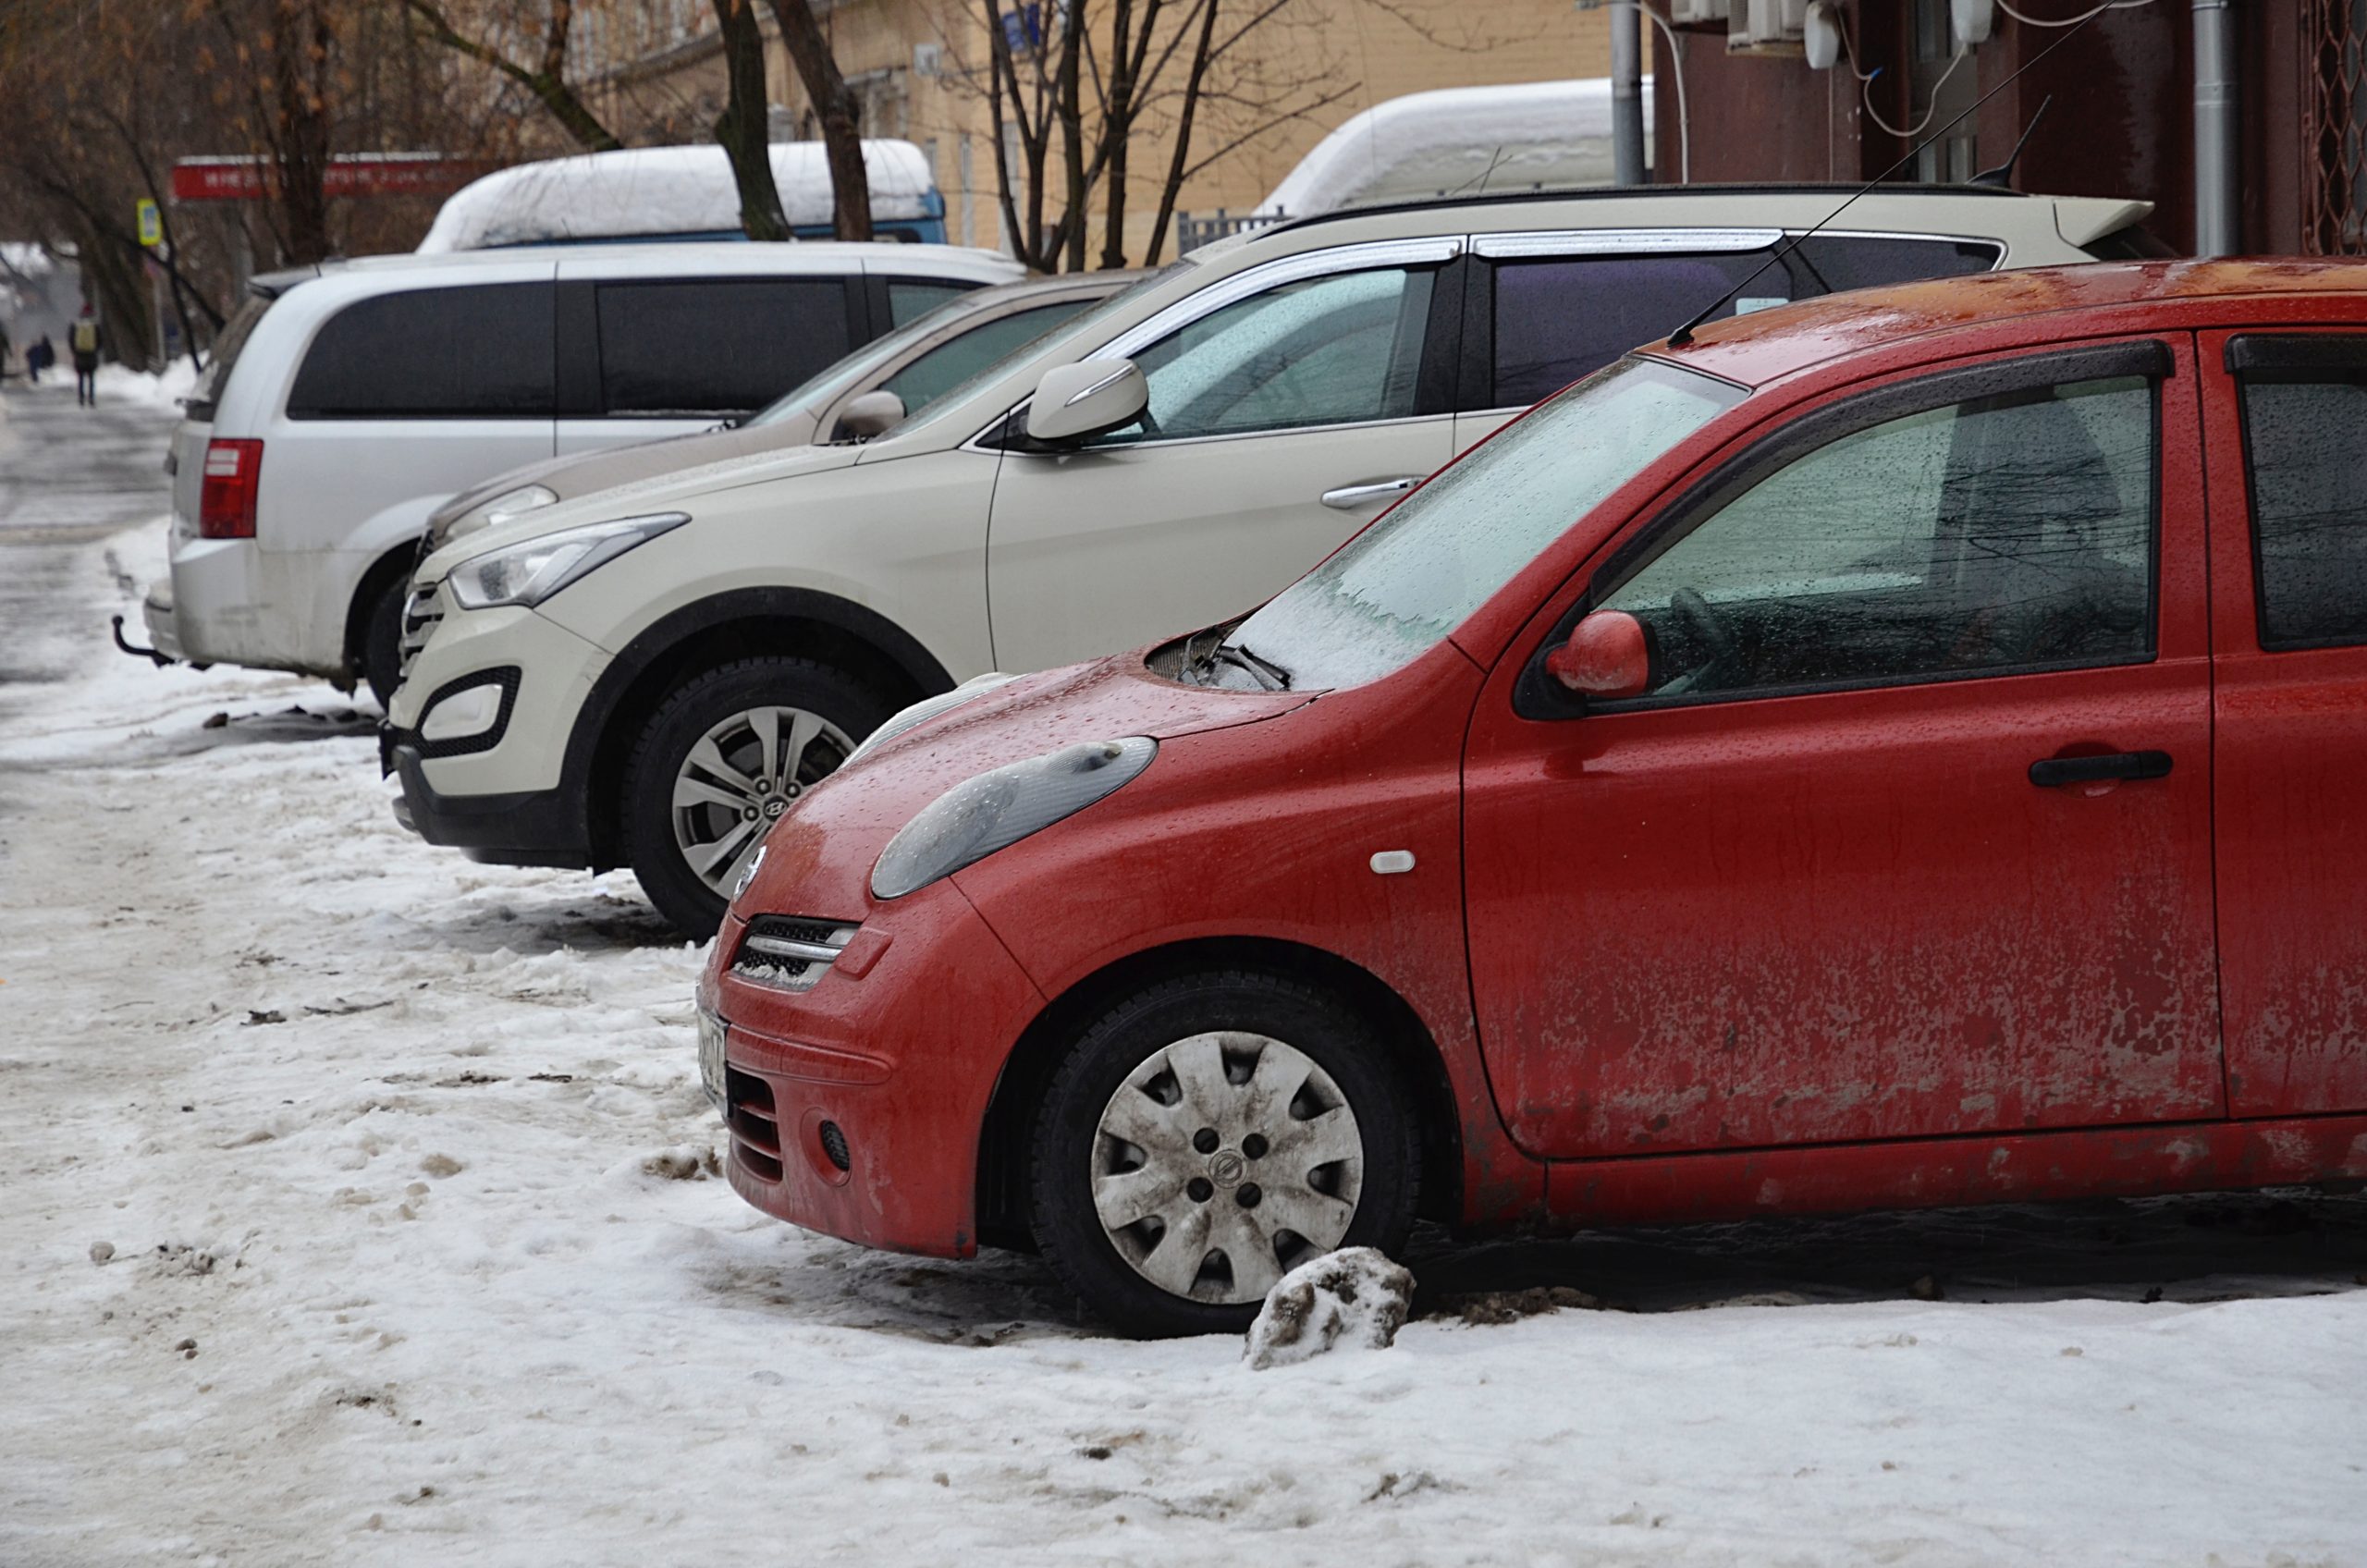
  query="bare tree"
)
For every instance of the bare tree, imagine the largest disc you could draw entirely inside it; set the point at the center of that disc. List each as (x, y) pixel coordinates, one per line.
(545, 78)
(743, 128)
(840, 115)
(1092, 76)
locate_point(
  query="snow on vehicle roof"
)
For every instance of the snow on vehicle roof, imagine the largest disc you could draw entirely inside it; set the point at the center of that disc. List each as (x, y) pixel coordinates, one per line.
(1458, 140)
(658, 190)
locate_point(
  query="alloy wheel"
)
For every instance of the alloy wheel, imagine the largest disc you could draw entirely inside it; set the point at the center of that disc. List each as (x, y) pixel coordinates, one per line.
(741, 777)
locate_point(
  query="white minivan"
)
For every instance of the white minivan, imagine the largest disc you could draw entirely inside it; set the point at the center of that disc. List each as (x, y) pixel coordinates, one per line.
(1171, 458)
(346, 402)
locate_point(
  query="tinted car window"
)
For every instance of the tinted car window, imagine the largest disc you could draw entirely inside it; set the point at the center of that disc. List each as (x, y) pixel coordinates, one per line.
(1561, 318)
(482, 351)
(2005, 532)
(949, 364)
(2309, 509)
(1324, 350)
(908, 300)
(716, 347)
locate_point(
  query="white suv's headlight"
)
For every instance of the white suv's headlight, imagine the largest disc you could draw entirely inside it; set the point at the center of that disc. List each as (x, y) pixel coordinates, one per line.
(529, 572)
(996, 810)
(511, 503)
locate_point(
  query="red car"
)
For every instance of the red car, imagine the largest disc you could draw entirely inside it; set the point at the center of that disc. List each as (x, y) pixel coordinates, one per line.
(1908, 748)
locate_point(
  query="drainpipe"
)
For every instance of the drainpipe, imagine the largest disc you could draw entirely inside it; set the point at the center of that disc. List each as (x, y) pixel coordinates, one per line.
(2218, 229)
(1626, 95)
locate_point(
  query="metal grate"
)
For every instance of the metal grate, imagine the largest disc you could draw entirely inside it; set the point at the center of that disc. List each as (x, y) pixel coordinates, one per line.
(2334, 127)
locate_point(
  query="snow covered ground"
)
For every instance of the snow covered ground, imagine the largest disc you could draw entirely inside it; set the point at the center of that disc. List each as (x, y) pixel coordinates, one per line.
(360, 1208)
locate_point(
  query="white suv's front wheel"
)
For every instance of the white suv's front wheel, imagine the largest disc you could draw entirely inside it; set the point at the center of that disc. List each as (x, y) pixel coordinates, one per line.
(720, 761)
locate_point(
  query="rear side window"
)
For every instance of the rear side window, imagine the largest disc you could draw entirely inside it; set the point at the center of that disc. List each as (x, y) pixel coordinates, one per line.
(2309, 507)
(1561, 318)
(909, 299)
(228, 345)
(716, 347)
(482, 351)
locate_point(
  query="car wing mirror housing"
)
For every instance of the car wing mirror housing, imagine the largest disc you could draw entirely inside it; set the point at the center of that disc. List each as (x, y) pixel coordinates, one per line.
(1075, 403)
(875, 413)
(1607, 656)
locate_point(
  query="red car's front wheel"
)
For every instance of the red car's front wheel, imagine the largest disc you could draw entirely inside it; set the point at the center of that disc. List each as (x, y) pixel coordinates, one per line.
(1209, 1134)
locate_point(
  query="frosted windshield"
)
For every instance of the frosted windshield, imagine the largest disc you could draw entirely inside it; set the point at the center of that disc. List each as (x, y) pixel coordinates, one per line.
(1398, 588)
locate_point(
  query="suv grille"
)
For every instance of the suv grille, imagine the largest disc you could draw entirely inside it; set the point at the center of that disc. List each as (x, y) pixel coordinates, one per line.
(787, 953)
(421, 613)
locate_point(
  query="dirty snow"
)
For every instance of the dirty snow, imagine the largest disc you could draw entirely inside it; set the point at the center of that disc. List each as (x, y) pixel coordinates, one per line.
(361, 1208)
(1352, 1299)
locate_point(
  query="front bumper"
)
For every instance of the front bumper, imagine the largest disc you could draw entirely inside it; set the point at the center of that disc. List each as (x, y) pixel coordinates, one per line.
(525, 827)
(897, 1048)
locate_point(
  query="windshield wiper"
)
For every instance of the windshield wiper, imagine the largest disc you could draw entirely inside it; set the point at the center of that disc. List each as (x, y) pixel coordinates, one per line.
(1266, 672)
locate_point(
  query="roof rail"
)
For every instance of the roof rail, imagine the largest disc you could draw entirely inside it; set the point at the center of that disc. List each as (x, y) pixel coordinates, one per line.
(1624, 192)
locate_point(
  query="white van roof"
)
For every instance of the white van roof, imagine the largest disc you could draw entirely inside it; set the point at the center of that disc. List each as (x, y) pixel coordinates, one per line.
(1458, 142)
(661, 190)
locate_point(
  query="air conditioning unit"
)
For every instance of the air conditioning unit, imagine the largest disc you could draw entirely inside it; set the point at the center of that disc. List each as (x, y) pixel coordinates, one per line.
(1766, 27)
(1691, 13)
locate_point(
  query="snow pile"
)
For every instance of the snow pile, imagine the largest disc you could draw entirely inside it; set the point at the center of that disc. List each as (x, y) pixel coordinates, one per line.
(662, 191)
(162, 391)
(1355, 1297)
(1458, 141)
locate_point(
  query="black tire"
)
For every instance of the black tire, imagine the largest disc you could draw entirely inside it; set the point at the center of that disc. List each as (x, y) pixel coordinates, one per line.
(382, 640)
(1125, 1039)
(648, 824)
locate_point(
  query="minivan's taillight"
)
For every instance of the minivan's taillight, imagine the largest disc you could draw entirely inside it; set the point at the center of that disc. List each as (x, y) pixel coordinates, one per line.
(225, 503)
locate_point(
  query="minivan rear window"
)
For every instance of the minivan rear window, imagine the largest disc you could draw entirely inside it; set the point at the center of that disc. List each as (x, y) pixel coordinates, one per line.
(721, 345)
(227, 343)
(479, 352)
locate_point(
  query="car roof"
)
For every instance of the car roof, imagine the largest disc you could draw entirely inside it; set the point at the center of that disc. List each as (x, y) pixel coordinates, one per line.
(1765, 344)
(693, 255)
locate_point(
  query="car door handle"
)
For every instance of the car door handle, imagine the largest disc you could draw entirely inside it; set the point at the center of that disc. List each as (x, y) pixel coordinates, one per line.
(1348, 497)
(2047, 773)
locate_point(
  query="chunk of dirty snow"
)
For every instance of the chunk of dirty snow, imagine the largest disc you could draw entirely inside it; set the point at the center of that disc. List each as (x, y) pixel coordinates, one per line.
(1356, 1297)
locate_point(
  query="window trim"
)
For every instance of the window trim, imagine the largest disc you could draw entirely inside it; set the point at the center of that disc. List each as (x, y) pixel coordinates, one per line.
(1537, 696)
(2291, 359)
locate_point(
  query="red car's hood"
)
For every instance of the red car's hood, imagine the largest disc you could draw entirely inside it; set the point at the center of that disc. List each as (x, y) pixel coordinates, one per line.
(818, 861)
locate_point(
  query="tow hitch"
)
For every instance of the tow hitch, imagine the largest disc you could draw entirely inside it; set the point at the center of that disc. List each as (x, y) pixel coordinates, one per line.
(159, 660)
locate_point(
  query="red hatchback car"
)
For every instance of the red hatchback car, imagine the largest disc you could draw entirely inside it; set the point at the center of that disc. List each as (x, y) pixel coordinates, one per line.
(1908, 748)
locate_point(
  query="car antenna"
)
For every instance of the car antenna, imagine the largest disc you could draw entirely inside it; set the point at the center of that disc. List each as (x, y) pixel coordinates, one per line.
(1683, 335)
(2002, 176)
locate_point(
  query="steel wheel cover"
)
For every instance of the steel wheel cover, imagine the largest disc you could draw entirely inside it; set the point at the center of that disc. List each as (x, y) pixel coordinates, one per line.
(1223, 1161)
(738, 779)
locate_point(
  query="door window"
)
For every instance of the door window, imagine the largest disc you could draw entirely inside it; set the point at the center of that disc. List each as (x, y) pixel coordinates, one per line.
(2309, 508)
(909, 299)
(719, 346)
(1324, 350)
(483, 351)
(1564, 317)
(2007, 533)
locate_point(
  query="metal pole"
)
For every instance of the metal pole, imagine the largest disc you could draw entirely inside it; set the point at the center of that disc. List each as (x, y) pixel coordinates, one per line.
(2218, 226)
(1626, 94)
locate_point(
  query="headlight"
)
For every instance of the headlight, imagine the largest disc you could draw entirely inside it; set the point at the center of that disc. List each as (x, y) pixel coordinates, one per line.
(996, 810)
(510, 503)
(530, 572)
(920, 713)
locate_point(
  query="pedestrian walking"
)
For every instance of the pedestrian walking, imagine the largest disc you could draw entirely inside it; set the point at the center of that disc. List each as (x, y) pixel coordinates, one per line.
(39, 358)
(4, 351)
(85, 343)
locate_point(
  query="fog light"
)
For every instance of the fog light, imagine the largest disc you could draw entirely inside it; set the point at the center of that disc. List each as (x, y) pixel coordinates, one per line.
(462, 713)
(834, 1145)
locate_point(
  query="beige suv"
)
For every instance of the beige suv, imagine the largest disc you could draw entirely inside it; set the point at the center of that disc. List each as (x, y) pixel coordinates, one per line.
(1173, 459)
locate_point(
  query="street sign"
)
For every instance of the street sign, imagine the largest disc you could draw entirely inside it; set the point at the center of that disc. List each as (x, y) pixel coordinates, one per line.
(152, 223)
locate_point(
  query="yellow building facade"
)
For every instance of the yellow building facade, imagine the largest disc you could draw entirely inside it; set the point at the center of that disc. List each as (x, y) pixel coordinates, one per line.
(653, 70)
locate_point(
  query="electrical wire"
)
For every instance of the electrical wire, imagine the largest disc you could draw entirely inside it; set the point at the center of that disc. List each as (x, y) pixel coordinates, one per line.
(1866, 86)
(2007, 6)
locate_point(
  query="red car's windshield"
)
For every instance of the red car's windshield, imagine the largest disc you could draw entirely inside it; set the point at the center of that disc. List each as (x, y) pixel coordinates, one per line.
(1399, 587)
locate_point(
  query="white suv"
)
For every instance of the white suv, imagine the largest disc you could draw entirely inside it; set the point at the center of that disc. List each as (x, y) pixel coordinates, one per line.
(1173, 459)
(346, 402)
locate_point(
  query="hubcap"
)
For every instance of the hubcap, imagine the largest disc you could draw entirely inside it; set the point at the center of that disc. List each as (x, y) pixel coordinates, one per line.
(1223, 1161)
(739, 778)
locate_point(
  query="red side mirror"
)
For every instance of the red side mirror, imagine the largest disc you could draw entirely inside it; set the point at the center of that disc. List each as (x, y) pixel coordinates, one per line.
(1604, 658)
